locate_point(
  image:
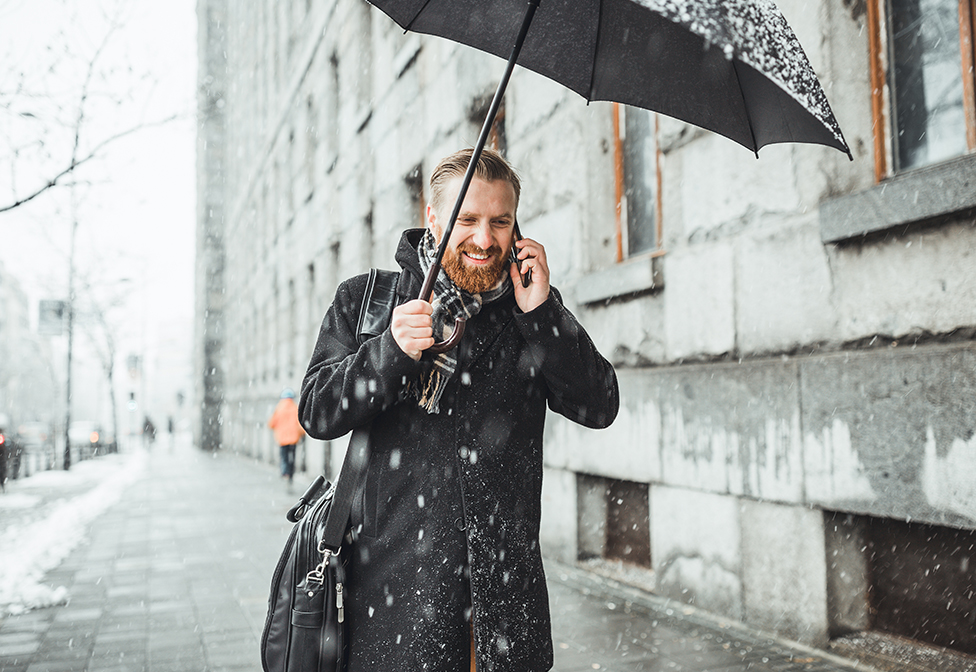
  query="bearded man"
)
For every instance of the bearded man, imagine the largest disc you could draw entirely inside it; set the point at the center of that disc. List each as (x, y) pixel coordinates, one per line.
(446, 573)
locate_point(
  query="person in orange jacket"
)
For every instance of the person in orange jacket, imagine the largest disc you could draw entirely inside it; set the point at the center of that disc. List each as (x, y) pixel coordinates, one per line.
(287, 431)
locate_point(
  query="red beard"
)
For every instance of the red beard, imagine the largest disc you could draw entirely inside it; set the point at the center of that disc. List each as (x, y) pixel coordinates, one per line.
(478, 279)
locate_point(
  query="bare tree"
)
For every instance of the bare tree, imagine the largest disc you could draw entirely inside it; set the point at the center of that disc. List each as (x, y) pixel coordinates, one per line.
(50, 100)
(102, 331)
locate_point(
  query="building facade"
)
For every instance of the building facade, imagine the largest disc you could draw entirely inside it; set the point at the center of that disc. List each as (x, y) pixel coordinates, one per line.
(28, 383)
(793, 335)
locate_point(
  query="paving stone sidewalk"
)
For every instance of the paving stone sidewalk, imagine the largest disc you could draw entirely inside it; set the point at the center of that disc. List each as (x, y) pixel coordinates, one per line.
(175, 578)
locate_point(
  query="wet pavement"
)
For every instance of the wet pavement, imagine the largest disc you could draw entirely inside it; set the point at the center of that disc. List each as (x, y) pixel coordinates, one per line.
(175, 577)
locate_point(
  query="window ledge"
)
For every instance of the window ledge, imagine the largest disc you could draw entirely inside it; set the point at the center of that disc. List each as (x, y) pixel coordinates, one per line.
(629, 278)
(924, 194)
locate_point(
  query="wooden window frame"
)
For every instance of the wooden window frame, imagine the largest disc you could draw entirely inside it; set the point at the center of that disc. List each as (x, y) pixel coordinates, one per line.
(496, 134)
(642, 273)
(880, 103)
(620, 186)
(967, 47)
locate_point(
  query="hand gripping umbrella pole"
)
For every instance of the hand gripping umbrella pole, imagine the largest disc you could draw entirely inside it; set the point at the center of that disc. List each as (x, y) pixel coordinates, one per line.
(435, 268)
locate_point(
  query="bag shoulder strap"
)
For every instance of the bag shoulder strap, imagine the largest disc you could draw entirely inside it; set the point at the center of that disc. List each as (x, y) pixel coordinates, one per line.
(378, 302)
(353, 469)
(379, 299)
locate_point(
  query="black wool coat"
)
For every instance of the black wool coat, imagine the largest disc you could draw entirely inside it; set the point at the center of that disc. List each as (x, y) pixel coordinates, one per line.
(450, 505)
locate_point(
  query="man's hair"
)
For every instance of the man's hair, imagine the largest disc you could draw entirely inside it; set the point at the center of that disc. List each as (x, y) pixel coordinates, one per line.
(491, 166)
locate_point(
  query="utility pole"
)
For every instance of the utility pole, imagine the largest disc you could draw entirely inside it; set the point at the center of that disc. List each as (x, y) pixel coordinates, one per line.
(71, 319)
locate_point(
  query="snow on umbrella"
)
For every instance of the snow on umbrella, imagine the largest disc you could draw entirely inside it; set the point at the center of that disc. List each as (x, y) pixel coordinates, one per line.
(733, 67)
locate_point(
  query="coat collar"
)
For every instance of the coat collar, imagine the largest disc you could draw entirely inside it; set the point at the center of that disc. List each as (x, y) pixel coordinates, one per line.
(406, 254)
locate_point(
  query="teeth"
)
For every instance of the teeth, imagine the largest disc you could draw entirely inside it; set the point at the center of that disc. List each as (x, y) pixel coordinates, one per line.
(477, 256)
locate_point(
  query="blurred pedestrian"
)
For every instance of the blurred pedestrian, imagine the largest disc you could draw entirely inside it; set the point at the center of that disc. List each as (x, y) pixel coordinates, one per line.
(287, 431)
(148, 432)
(171, 430)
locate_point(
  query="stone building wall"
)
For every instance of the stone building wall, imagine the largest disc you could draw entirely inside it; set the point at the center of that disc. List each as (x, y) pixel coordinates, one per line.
(208, 356)
(795, 354)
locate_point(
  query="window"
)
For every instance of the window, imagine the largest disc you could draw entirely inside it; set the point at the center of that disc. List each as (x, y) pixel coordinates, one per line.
(908, 579)
(414, 182)
(931, 104)
(478, 112)
(311, 308)
(613, 521)
(292, 328)
(497, 139)
(637, 183)
(637, 180)
(922, 586)
(311, 147)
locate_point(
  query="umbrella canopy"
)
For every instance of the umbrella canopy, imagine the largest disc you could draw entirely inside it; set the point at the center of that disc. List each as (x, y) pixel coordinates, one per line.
(730, 66)
(733, 67)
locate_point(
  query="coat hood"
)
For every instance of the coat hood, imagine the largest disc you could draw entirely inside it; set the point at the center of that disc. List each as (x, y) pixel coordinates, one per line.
(406, 254)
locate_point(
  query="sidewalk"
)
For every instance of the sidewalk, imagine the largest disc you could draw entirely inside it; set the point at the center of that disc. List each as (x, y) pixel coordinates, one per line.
(174, 576)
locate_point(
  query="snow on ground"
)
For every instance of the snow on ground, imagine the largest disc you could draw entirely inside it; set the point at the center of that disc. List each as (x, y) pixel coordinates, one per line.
(46, 516)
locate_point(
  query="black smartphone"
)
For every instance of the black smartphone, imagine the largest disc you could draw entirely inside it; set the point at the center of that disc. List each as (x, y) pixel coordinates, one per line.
(527, 276)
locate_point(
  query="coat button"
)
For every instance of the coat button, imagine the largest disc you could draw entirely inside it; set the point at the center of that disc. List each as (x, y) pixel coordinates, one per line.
(464, 452)
(460, 524)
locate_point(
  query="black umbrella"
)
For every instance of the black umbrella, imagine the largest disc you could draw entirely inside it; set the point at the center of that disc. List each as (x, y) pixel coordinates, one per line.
(730, 66)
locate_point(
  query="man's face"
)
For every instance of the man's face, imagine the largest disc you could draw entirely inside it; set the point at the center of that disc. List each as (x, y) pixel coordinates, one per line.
(477, 252)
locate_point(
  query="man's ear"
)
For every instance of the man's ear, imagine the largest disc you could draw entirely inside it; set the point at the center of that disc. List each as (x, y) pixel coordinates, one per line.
(432, 223)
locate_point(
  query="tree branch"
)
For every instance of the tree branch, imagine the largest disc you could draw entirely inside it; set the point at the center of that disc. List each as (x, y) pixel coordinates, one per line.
(79, 125)
(75, 162)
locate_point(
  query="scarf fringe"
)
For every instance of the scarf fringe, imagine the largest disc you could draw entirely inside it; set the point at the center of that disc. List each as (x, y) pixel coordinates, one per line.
(432, 391)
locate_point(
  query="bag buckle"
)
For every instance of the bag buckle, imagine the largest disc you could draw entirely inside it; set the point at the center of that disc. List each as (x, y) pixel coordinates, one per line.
(317, 575)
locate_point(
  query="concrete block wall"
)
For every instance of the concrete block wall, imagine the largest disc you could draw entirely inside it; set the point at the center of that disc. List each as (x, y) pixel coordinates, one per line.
(777, 379)
(747, 463)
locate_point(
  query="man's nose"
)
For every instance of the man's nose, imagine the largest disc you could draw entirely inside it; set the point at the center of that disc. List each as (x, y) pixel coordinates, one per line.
(482, 236)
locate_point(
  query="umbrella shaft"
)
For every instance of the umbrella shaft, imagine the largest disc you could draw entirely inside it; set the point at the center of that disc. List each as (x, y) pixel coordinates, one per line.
(496, 102)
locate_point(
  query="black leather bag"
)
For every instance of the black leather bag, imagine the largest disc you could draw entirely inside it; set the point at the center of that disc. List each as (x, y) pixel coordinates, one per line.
(305, 629)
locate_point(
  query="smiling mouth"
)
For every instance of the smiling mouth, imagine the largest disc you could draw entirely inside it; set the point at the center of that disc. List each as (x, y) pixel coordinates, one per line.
(476, 257)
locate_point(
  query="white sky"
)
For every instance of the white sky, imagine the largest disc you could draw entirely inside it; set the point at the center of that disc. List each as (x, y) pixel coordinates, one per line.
(136, 213)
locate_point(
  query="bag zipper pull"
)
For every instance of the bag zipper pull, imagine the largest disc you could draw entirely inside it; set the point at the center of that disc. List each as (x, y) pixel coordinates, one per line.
(342, 610)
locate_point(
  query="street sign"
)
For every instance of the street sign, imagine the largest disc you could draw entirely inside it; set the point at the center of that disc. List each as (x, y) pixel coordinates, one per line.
(134, 364)
(50, 317)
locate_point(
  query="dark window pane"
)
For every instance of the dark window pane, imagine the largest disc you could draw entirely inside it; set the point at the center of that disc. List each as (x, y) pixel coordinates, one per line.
(613, 520)
(640, 180)
(628, 527)
(926, 82)
(922, 583)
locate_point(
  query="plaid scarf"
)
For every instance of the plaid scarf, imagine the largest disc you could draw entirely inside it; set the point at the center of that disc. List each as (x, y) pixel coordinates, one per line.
(449, 302)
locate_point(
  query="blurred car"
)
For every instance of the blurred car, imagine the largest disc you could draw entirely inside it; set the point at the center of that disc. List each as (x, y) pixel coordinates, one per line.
(37, 441)
(85, 437)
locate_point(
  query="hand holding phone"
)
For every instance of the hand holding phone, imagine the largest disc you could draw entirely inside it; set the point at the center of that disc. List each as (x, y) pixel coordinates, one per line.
(527, 276)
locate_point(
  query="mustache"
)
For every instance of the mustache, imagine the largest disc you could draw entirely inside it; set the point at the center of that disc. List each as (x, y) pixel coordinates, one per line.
(494, 250)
